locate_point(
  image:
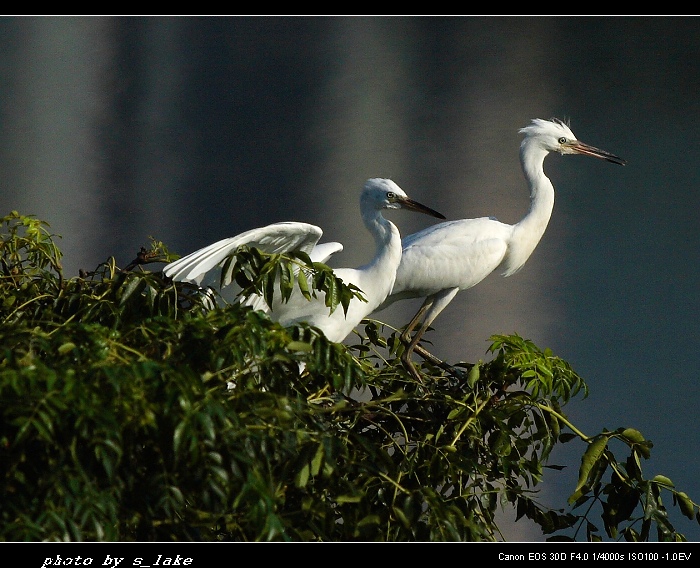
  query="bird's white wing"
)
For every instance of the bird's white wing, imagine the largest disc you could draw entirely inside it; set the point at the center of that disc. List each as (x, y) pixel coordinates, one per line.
(323, 252)
(461, 252)
(201, 267)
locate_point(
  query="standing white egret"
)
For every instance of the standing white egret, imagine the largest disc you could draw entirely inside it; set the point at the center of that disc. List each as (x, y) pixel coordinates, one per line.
(443, 259)
(375, 279)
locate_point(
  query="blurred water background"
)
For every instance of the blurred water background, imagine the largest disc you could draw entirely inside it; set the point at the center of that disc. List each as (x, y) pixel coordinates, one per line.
(192, 129)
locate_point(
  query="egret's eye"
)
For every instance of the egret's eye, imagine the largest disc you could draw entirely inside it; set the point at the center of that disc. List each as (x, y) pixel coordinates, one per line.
(390, 195)
(562, 140)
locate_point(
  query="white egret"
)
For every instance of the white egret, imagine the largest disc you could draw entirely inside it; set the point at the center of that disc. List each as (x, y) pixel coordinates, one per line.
(443, 259)
(375, 279)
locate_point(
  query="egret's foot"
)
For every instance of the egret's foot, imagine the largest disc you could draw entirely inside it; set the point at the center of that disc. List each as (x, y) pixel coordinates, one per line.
(453, 371)
(410, 367)
(439, 363)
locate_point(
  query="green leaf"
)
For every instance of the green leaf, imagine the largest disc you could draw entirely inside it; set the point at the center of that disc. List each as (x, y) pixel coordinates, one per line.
(66, 348)
(590, 459)
(456, 412)
(178, 436)
(303, 284)
(686, 505)
(302, 476)
(317, 461)
(473, 376)
(332, 294)
(634, 436)
(348, 499)
(401, 517)
(663, 480)
(286, 279)
(300, 346)
(134, 286)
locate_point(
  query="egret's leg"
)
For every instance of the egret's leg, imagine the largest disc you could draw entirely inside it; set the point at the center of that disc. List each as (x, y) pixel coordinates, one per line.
(406, 334)
(432, 306)
(410, 346)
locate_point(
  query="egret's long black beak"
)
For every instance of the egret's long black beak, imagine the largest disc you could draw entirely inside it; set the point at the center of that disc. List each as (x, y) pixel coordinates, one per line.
(577, 147)
(411, 205)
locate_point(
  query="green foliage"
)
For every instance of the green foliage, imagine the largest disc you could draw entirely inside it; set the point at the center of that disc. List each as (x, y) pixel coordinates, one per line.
(259, 273)
(130, 412)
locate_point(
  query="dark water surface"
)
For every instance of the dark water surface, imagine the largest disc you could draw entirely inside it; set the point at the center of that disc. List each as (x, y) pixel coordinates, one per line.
(197, 128)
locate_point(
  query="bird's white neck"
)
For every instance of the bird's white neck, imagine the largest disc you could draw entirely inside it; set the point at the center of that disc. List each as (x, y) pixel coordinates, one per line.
(387, 239)
(379, 274)
(528, 232)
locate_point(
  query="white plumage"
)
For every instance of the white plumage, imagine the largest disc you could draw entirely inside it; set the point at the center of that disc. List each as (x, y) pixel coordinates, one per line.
(443, 259)
(375, 279)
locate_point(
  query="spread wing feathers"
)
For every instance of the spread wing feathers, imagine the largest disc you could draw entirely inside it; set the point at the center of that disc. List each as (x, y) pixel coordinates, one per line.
(203, 266)
(197, 267)
(323, 252)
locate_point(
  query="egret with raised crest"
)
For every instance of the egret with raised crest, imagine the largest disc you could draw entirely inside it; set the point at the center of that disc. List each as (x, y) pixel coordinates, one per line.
(443, 259)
